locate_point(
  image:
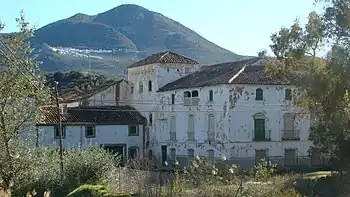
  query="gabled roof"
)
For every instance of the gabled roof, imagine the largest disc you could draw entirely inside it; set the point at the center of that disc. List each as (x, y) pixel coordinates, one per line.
(249, 71)
(77, 95)
(164, 57)
(113, 115)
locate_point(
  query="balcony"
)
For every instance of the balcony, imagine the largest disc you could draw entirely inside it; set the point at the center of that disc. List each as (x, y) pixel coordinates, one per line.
(211, 136)
(262, 135)
(291, 134)
(190, 136)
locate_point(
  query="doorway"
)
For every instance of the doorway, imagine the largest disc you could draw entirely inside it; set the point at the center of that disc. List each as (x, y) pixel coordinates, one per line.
(164, 154)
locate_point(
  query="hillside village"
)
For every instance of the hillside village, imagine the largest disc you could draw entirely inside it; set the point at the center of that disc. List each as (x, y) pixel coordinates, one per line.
(170, 108)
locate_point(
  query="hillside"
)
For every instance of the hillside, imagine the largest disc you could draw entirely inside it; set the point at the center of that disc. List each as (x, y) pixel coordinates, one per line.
(109, 41)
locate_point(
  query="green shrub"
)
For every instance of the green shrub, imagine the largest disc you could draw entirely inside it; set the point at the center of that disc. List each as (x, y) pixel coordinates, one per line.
(94, 191)
(81, 166)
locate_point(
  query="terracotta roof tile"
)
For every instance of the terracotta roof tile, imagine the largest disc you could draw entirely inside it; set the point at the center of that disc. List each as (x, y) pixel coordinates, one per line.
(164, 57)
(238, 72)
(115, 115)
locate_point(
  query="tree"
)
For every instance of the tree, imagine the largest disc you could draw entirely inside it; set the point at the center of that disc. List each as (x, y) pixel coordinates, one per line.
(22, 90)
(322, 83)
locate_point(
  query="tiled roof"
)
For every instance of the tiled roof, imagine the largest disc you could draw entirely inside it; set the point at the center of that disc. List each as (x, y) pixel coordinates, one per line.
(164, 57)
(114, 115)
(75, 95)
(239, 72)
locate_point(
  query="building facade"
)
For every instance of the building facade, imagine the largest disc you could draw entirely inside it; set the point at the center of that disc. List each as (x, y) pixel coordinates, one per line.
(119, 129)
(232, 110)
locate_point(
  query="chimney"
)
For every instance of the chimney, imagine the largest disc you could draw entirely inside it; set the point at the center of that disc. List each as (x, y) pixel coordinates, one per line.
(63, 109)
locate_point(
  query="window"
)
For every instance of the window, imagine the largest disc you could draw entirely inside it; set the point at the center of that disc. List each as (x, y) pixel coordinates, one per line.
(132, 88)
(195, 97)
(133, 131)
(259, 96)
(261, 155)
(211, 95)
(259, 127)
(150, 119)
(150, 155)
(140, 87)
(211, 156)
(288, 95)
(190, 154)
(289, 131)
(172, 154)
(211, 127)
(173, 128)
(173, 99)
(150, 86)
(90, 131)
(290, 157)
(57, 133)
(187, 98)
(133, 151)
(190, 132)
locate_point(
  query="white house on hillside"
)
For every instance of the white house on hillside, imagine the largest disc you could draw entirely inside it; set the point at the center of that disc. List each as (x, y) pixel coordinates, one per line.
(233, 110)
(118, 128)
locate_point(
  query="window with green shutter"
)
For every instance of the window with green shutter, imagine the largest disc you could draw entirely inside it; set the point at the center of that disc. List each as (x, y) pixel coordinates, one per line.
(288, 95)
(259, 129)
(259, 95)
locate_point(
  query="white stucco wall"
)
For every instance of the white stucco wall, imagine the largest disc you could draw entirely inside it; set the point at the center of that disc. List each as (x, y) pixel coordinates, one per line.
(105, 134)
(234, 123)
(106, 97)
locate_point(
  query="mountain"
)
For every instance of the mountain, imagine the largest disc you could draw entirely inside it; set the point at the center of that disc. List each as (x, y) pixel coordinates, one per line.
(108, 42)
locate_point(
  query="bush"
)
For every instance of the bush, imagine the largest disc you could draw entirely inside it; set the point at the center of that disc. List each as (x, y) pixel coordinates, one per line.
(81, 166)
(94, 191)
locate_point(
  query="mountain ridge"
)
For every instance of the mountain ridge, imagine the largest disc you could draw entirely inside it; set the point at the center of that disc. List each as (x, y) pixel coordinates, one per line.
(130, 32)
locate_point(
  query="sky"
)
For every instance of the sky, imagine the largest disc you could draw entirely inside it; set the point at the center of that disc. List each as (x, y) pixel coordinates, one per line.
(243, 26)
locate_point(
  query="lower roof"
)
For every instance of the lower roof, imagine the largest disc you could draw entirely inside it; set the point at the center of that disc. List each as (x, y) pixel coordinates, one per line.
(108, 115)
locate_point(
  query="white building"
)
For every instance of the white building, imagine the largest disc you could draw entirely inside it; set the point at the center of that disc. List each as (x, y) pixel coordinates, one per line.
(110, 94)
(233, 110)
(118, 128)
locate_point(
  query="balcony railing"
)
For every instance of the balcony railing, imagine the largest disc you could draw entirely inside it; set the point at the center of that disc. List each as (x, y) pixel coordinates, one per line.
(291, 134)
(172, 136)
(211, 136)
(262, 135)
(191, 136)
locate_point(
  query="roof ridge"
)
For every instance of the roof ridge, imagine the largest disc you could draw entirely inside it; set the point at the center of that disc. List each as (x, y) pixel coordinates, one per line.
(165, 54)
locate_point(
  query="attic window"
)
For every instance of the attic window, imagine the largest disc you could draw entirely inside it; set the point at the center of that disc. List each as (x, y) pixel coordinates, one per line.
(288, 95)
(259, 95)
(195, 93)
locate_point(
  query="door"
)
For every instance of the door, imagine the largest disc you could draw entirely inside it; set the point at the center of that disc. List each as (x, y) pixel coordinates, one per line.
(259, 129)
(164, 154)
(116, 149)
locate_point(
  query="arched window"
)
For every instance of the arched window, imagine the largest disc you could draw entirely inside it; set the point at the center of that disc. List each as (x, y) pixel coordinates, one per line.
(187, 98)
(173, 99)
(140, 87)
(259, 95)
(149, 86)
(211, 95)
(195, 93)
(288, 95)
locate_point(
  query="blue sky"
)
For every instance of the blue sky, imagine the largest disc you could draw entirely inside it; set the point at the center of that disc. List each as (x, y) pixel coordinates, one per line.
(243, 27)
